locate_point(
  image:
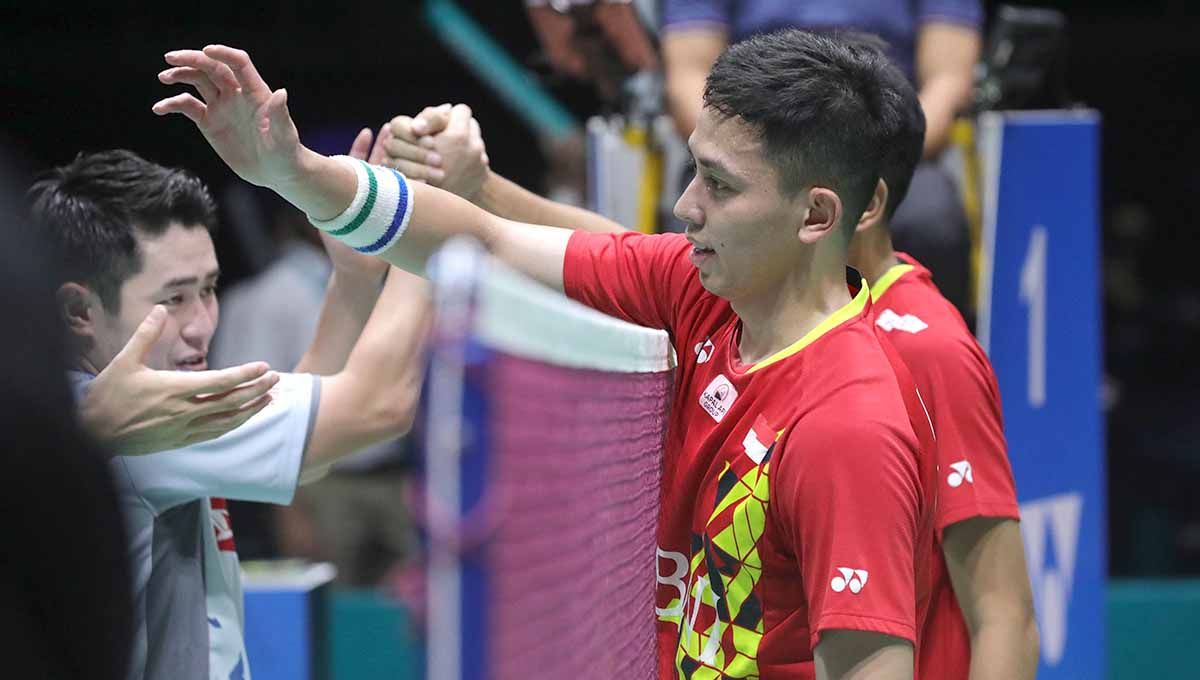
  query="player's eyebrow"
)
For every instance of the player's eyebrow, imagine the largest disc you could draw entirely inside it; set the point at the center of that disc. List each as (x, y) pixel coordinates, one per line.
(191, 280)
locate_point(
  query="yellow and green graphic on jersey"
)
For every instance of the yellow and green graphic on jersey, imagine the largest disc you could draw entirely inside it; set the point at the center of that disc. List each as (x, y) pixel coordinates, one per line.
(721, 623)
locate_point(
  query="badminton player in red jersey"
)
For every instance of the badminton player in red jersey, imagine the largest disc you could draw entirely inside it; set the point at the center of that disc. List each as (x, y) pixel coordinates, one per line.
(981, 623)
(795, 533)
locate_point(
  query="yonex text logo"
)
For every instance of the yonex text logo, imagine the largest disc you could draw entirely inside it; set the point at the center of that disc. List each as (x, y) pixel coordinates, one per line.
(854, 579)
(718, 397)
(961, 472)
(704, 351)
(891, 321)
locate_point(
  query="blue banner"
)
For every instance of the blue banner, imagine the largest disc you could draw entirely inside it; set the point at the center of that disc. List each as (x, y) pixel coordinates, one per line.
(1039, 319)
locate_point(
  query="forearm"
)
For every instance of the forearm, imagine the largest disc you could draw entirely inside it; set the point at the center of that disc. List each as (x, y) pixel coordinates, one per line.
(436, 216)
(688, 56)
(945, 62)
(941, 99)
(510, 200)
(374, 397)
(685, 99)
(1005, 650)
(344, 314)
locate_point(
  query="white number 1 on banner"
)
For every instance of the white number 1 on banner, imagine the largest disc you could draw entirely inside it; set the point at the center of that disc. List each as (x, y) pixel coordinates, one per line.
(1033, 294)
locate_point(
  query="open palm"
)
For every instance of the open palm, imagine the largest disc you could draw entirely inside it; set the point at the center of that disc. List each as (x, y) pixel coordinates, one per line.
(246, 123)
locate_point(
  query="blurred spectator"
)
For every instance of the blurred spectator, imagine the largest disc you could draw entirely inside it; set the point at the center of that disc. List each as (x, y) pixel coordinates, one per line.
(598, 41)
(935, 42)
(357, 516)
(65, 580)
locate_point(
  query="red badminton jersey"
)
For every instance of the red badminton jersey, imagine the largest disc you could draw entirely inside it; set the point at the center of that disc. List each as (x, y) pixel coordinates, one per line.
(794, 490)
(959, 387)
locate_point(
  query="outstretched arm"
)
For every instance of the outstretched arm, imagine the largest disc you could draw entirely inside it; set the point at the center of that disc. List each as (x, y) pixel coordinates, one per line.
(249, 127)
(354, 286)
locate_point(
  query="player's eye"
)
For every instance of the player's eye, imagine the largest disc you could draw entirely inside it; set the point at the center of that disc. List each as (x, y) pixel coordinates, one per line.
(173, 301)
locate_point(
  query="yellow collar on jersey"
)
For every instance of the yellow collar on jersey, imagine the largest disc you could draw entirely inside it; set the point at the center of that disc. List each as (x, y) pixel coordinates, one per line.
(848, 311)
(891, 276)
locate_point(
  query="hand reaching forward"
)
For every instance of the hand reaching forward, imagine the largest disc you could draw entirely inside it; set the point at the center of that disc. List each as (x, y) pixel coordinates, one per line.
(246, 123)
(133, 409)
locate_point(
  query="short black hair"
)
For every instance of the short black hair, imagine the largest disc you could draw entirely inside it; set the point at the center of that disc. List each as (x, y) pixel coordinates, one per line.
(89, 211)
(905, 139)
(818, 103)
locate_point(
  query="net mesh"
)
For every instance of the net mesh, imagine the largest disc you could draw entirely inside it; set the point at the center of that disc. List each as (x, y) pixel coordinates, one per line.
(577, 458)
(574, 420)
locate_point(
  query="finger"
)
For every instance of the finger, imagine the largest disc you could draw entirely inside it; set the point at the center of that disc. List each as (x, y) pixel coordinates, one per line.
(190, 76)
(239, 63)
(362, 145)
(275, 118)
(377, 150)
(399, 149)
(418, 172)
(182, 103)
(194, 384)
(238, 396)
(476, 133)
(432, 120)
(147, 333)
(220, 74)
(460, 120)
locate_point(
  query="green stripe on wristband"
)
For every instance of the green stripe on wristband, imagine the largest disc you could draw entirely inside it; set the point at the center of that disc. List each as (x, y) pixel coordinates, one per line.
(368, 206)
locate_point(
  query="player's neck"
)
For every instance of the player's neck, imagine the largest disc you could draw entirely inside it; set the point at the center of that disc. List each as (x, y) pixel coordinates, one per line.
(782, 316)
(872, 254)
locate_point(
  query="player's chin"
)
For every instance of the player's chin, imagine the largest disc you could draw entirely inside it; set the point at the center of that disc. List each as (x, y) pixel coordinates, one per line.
(711, 282)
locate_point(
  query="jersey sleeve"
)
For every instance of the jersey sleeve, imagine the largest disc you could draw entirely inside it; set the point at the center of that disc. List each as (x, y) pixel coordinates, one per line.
(259, 461)
(639, 278)
(975, 477)
(847, 501)
(677, 14)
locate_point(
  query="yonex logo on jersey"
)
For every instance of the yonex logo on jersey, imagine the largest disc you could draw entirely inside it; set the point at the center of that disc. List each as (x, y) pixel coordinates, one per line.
(891, 321)
(718, 397)
(854, 579)
(962, 472)
(704, 351)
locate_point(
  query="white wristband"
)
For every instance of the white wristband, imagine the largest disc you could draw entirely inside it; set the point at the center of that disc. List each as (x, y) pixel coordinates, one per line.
(379, 213)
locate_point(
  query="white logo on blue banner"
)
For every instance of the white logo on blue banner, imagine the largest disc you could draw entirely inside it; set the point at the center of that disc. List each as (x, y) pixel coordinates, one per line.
(1050, 529)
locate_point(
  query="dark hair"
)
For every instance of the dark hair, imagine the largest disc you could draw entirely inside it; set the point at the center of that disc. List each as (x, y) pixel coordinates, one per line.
(90, 210)
(818, 103)
(905, 139)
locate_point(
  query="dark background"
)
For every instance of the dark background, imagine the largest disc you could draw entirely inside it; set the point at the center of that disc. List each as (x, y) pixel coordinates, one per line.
(80, 78)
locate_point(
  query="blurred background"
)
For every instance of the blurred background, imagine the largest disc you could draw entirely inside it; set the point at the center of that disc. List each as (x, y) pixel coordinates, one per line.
(84, 80)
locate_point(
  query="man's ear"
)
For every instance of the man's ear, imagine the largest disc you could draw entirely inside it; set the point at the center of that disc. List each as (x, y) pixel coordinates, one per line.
(78, 306)
(873, 215)
(823, 215)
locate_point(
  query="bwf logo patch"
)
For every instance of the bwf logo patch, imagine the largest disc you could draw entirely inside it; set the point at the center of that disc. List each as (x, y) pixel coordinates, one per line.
(718, 397)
